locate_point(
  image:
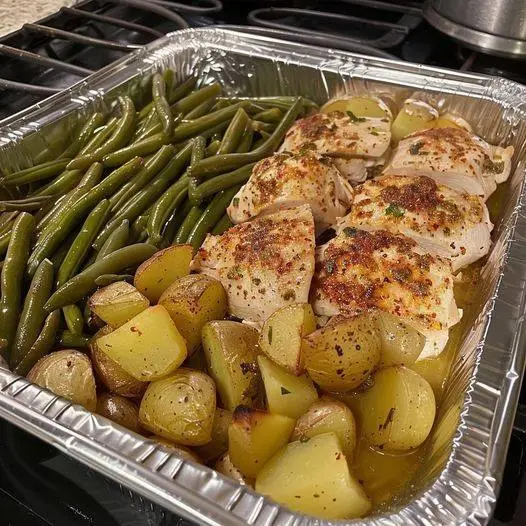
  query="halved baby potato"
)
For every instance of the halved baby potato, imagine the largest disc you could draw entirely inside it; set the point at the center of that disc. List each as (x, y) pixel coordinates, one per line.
(286, 393)
(225, 467)
(117, 303)
(120, 410)
(398, 411)
(312, 477)
(156, 274)
(254, 436)
(219, 443)
(230, 350)
(180, 408)
(147, 347)
(341, 355)
(449, 120)
(328, 415)
(359, 106)
(282, 332)
(192, 301)
(415, 115)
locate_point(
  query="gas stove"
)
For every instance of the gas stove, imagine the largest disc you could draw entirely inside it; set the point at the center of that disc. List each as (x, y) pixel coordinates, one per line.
(41, 486)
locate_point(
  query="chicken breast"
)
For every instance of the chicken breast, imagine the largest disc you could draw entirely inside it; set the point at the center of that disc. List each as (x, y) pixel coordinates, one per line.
(263, 264)
(359, 271)
(441, 220)
(288, 180)
(344, 136)
(453, 157)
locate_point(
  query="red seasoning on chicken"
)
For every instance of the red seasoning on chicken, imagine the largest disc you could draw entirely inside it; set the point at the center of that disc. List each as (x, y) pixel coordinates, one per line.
(359, 271)
(441, 220)
(453, 157)
(287, 180)
(263, 264)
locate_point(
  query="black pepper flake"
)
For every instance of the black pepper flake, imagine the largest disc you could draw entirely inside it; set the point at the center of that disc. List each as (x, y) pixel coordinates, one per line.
(269, 335)
(304, 439)
(389, 418)
(354, 118)
(284, 391)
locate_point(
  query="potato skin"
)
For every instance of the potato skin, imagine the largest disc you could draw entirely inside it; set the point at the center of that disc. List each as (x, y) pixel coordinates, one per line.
(119, 409)
(183, 451)
(180, 407)
(341, 355)
(225, 467)
(328, 415)
(219, 443)
(111, 374)
(192, 301)
(67, 373)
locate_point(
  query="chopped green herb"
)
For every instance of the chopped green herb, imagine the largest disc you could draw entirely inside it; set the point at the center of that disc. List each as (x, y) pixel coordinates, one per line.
(329, 267)
(447, 231)
(349, 231)
(269, 335)
(256, 281)
(354, 118)
(415, 148)
(234, 273)
(289, 295)
(306, 148)
(389, 418)
(304, 439)
(235, 201)
(394, 210)
(374, 132)
(284, 391)
(494, 167)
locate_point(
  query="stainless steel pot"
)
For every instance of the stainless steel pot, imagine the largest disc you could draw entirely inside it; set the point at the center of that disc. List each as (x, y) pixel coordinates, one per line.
(494, 26)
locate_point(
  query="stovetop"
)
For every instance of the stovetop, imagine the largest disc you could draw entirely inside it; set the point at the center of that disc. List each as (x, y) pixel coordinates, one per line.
(38, 484)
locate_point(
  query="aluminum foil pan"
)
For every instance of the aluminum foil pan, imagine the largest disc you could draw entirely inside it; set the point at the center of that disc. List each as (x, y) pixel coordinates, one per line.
(460, 476)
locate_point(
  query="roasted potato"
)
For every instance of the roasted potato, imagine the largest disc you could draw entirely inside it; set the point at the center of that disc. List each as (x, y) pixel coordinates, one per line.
(225, 467)
(182, 451)
(219, 443)
(192, 301)
(328, 415)
(341, 355)
(312, 477)
(449, 120)
(398, 411)
(415, 115)
(110, 373)
(286, 393)
(117, 303)
(156, 274)
(69, 374)
(254, 436)
(282, 332)
(359, 106)
(147, 347)
(401, 344)
(231, 353)
(119, 409)
(180, 408)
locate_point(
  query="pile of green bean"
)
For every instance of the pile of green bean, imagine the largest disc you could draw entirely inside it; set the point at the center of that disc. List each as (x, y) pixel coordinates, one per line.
(125, 187)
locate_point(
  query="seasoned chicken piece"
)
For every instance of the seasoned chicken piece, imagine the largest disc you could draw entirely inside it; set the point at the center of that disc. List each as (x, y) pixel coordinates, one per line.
(441, 220)
(453, 157)
(361, 140)
(358, 271)
(287, 180)
(263, 264)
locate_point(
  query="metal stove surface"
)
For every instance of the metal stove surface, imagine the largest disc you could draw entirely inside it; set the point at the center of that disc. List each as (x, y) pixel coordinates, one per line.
(38, 484)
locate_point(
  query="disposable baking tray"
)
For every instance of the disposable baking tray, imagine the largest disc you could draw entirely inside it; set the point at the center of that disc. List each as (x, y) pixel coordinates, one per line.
(460, 476)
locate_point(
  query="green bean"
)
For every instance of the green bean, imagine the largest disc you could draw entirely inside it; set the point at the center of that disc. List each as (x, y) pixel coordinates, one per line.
(222, 225)
(36, 173)
(195, 98)
(108, 279)
(74, 318)
(246, 140)
(212, 148)
(82, 244)
(65, 182)
(122, 134)
(66, 340)
(150, 169)
(147, 125)
(42, 345)
(223, 181)
(188, 224)
(182, 90)
(117, 239)
(100, 136)
(11, 279)
(221, 163)
(200, 110)
(4, 242)
(272, 115)
(266, 127)
(212, 214)
(198, 153)
(148, 195)
(140, 149)
(138, 227)
(93, 122)
(162, 107)
(234, 132)
(82, 284)
(74, 214)
(31, 203)
(33, 313)
(58, 257)
(282, 103)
